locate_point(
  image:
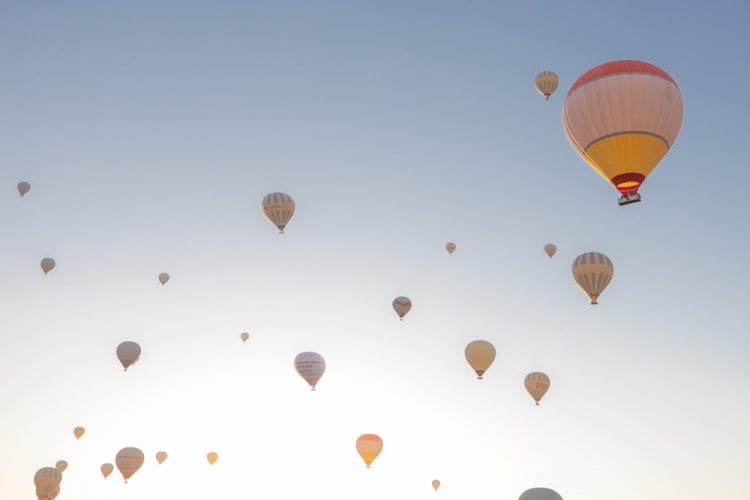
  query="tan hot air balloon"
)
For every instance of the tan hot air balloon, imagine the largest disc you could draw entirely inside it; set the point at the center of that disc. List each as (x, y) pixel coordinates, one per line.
(451, 247)
(310, 366)
(244, 336)
(23, 188)
(47, 264)
(163, 278)
(401, 305)
(107, 469)
(128, 353)
(78, 432)
(61, 465)
(128, 461)
(369, 447)
(480, 354)
(212, 457)
(278, 208)
(593, 271)
(47, 480)
(536, 384)
(161, 456)
(546, 83)
(550, 249)
(540, 494)
(435, 484)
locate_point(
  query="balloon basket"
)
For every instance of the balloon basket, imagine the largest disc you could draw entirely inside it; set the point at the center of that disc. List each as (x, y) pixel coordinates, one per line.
(627, 199)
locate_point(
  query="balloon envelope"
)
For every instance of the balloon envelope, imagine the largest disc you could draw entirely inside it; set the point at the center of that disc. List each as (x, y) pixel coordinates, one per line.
(128, 461)
(78, 432)
(401, 305)
(480, 354)
(278, 208)
(163, 278)
(107, 469)
(546, 83)
(451, 247)
(593, 271)
(128, 353)
(161, 456)
(212, 457)
(369, 447)
(435, 484)
(550, 249)
(310, 366)
(244, 336)
(536, 384)
(47, 264)
(61, 465)
(47, 480)
(540, 494)
(23, 188)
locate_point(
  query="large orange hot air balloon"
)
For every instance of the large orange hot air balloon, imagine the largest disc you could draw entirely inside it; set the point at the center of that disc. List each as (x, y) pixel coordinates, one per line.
(622, 117)
(369, 447)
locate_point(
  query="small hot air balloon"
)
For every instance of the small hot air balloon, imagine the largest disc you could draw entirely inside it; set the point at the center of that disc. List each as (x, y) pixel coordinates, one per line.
(163, 278)
(161, 456)
(435, 484)
(593, 271)
(212, 457)
(451, 247)
(550, 249)
(128, 353)
(540, 494)
(47, 481)
(536, 384)
(23, 188)
(480, 354)
(278, 208)
(369, 447)
(128, 461)
(61, 465)
(244, 336)
(401, 305)
(546, 83)
(47, 264)
(78, 432)
(107, 469)
(310, 366)
(622, 117)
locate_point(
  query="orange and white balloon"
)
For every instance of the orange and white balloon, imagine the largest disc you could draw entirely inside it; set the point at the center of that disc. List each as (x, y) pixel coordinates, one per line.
(369, 447)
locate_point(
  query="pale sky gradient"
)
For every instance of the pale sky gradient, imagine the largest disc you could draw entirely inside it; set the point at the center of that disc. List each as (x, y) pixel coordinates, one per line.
(150, 131)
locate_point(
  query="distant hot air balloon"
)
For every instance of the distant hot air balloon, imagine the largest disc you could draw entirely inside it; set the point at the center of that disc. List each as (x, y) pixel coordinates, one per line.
(536, 384)
(435, 484)
(161, 456)
(47, 264)
(128, 353)
(451, 247)
(369, 447)
(278, 208)
(540, 494)
(310, 366)
(546, 83)
(61, 465)
(23, 188)
(593, 271)
(622, 117)
(550, 249)
(212, 457)
(78, 432)
(106, 470)
(163, 278)
(244, 336)
(47, 480)
(128, 461)
(480, 354)
(401, 305)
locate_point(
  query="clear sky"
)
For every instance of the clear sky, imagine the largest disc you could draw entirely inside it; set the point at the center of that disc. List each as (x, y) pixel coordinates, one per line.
(151, 130)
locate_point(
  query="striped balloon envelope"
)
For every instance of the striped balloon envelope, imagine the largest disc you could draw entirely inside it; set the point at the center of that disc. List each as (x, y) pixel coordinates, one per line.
(278, 208)
(593, 272)
(536, 384)
(546, 83)
(622, 117)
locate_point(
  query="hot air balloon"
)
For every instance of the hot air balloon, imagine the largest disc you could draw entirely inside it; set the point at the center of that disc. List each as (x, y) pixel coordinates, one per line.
(61, 465)
(536, 384)
(310, 366)
(546, 83)
(128, 353)
(369, 447)
(451, 247)
(47, 480)
(540, 494)
(435, 484)
(212, 457)
(278, 208)
(244, 336)
(480, 354)
(593, 271)
(47, 264)
(128, 461)
(622, 117)
(163, 278)
(401, 305)
(550, 249)
(161, 456)
(106, 470)
(23, 188)
(78, 432)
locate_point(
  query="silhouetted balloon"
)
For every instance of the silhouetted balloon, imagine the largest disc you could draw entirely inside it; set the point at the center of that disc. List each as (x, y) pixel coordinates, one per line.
(23, 188)
(540, 494)
(161, 456)
(61, 465)
(128, 461)
(401, 305)
(78, 432)
(244, 336)
(480, 354)
(107, 469)
(47, 480)
(536, 384)
(128, 353)
(310, 366)
(47, 264)
(369, 447)
(550, 249)
(163, 278)
(451, 247)
(279, 209)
